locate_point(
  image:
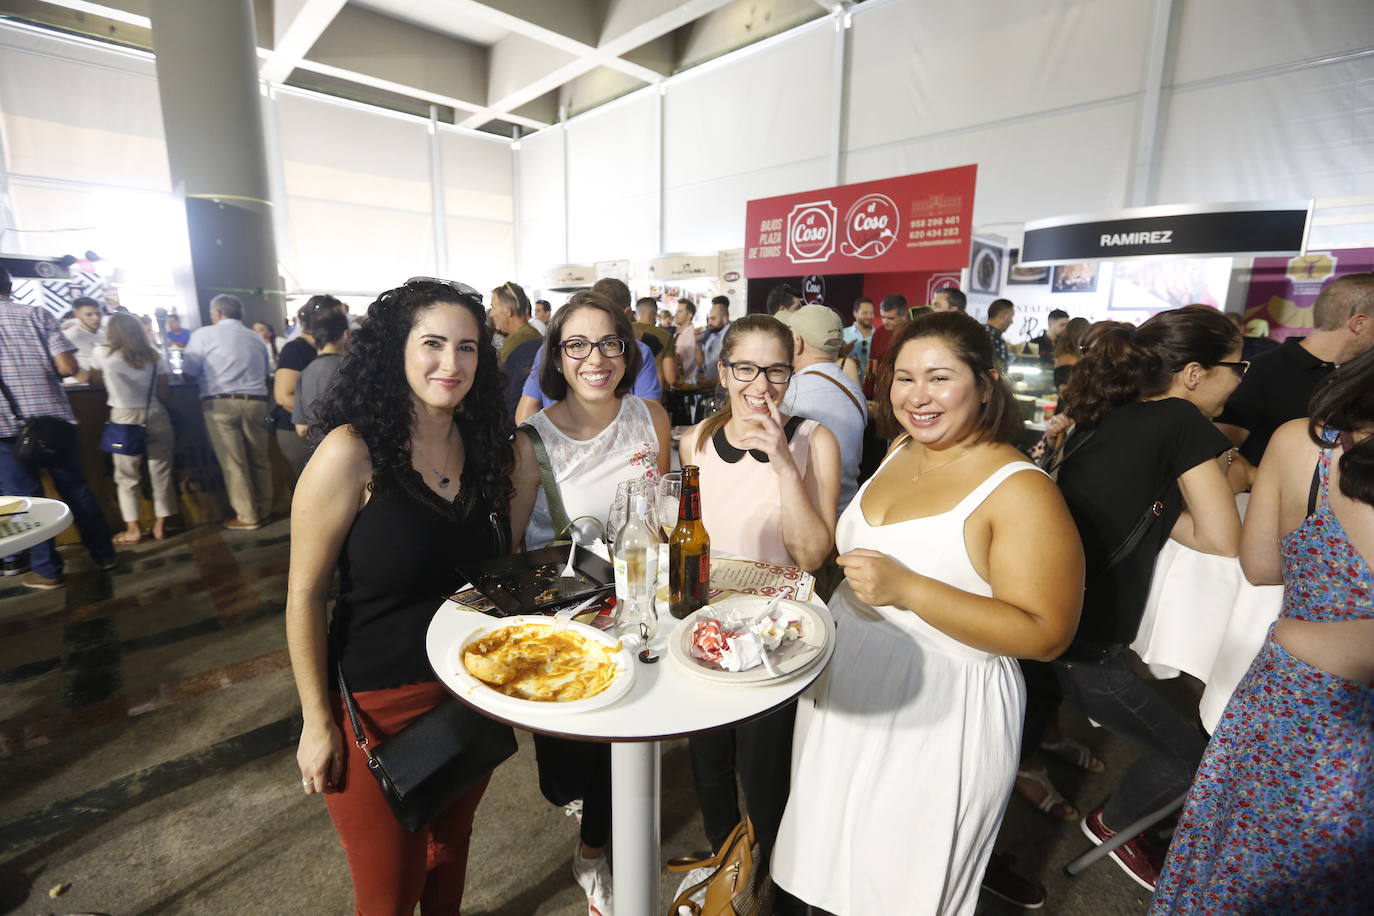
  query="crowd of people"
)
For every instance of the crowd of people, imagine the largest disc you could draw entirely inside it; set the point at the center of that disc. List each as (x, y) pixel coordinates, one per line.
(440, 432)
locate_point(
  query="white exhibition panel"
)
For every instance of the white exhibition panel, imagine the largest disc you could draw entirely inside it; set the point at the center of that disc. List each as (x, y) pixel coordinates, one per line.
(540, 204)
(1219, 37)
(341, 153)
(356, 249)
(768, 108)
(922, 68)
(78, 113)
(359, 201)
(480, 253)
(613, 181)
(1304, 133)
(477, 176)
(1072, 162)
(709, 216)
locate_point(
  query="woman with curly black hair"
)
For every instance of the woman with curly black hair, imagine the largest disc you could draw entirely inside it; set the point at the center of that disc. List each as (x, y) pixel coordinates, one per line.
(413, 479)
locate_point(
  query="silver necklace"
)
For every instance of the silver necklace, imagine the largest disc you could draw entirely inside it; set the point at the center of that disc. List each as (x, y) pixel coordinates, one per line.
(444, 479)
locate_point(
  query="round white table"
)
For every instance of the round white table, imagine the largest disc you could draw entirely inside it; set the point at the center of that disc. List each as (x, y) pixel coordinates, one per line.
(664, 702)
(44, 520)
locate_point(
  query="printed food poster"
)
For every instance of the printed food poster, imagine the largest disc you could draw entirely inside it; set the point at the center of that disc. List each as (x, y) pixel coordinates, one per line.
(1283, 290)
(1148, 284)
(985, 268)
(1075, 278)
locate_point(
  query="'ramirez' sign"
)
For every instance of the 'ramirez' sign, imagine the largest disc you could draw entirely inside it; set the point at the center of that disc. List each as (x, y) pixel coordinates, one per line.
(916, 222)
(1261, 228)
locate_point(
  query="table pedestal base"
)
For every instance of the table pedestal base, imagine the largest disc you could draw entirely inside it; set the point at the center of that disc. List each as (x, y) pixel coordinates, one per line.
(635, 775)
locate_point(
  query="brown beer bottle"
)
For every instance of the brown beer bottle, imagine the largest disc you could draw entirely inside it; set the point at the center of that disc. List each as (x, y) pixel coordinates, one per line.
(689, 550)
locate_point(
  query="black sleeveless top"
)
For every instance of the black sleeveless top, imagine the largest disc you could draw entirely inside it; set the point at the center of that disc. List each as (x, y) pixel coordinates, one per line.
(399, 562)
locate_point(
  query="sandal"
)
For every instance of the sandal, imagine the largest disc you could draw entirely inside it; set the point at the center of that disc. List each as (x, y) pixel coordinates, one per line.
(122, 539)
(1074, 753)
(1051, 803)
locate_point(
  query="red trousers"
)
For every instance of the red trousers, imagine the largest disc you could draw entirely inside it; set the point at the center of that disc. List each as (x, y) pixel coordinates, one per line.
(392, 868)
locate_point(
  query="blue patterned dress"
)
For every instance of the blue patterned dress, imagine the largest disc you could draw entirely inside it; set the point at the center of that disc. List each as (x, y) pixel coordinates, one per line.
(1280, 818)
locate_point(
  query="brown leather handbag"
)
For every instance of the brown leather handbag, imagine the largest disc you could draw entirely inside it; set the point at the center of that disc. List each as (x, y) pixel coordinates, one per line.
(733, 888)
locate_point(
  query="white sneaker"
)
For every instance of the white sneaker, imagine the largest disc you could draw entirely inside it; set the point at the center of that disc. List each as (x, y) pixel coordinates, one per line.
(594, 877)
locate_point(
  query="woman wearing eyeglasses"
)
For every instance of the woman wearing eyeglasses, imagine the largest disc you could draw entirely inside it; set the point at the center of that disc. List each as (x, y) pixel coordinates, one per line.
(1144, 464)
(594, 437)
(770, 485)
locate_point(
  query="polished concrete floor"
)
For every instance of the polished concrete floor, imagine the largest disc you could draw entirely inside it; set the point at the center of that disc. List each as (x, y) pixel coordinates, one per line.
(147, 736)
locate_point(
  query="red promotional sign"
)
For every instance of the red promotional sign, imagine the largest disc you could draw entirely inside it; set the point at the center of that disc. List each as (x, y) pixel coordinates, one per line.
(915, 222)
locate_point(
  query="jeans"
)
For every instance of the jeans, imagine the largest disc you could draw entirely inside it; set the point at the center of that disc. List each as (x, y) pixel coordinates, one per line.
(1109, 691)
(19, 479)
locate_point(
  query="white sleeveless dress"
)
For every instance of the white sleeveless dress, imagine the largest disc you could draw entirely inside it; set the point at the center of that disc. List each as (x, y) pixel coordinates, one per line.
(902, 769)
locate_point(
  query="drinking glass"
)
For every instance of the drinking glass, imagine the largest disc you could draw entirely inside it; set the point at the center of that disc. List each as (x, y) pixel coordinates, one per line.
(669, 495)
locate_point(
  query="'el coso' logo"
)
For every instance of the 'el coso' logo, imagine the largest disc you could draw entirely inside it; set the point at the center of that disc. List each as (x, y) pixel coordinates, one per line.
(870, 227)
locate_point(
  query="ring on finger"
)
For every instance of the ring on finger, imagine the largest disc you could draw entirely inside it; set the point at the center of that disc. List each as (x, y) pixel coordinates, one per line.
(307, 782)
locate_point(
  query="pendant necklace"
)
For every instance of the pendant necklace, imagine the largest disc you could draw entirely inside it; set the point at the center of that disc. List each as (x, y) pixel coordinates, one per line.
(921, 473)
(444, 479)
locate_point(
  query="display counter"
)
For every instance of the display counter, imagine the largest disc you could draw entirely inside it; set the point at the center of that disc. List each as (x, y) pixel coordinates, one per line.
(199, 483)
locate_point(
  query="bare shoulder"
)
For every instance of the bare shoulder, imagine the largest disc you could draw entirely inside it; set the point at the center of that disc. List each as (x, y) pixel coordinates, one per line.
(1026, 487)
(657, 413)
(687, 445)
(1290, 440)
(343, 457)
(822, 438)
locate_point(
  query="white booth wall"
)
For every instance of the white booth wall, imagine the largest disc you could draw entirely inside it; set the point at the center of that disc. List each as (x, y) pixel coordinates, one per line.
(355, 188)
(1259, 99)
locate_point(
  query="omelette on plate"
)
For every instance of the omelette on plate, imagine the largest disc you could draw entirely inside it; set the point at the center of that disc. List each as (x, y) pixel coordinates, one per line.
(542, 663)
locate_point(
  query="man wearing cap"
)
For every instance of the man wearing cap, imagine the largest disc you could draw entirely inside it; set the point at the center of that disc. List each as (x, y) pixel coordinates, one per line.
(821, 391)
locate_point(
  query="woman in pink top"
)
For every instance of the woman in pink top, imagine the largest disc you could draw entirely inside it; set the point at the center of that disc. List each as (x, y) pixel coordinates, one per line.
(770, 484)
(769, 488)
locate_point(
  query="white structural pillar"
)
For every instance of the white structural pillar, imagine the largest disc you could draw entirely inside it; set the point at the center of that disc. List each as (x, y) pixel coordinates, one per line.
(212, 118)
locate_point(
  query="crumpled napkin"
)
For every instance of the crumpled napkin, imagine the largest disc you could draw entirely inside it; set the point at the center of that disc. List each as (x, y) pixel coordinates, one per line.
(736, 639)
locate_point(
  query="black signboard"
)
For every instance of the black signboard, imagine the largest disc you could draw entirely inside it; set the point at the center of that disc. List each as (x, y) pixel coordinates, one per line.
(1260, 229)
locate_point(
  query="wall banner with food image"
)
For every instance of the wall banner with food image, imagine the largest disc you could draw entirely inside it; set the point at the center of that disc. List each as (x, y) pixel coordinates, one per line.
(1283, 290)
(1024, 276)
(1255, 228)
(985, 267)
(912, 223)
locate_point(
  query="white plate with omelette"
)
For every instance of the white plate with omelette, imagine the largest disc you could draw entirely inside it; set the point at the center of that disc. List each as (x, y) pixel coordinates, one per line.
(542, 664)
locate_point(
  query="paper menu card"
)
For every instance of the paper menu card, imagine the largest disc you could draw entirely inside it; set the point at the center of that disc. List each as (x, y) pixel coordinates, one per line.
(754, 577)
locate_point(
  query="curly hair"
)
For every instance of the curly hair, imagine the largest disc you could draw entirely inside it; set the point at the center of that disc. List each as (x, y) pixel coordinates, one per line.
(1124, 364)
(371, 395)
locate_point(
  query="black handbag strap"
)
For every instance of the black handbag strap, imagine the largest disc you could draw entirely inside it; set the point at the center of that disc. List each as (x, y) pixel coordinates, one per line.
(1128, 546)
(148, 401)
(19, 417)
(359, 738)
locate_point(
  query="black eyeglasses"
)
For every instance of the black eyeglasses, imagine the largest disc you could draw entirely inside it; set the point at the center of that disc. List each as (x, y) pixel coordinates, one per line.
(461, 288)
(581, 347)
(747, 372)
(1240, 368)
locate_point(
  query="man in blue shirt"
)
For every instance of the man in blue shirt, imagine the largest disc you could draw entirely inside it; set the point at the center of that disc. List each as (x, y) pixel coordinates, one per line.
(232, 366)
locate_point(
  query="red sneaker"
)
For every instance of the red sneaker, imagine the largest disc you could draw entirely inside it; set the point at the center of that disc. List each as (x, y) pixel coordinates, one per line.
(1136, 857)
(1000, 881)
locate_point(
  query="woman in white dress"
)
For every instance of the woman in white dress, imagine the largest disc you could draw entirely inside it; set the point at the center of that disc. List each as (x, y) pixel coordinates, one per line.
(594, 437)
(958, 556)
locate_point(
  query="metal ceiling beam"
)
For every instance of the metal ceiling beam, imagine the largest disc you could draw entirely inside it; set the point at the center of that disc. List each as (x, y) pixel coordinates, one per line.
(606, 55)
(296, 24)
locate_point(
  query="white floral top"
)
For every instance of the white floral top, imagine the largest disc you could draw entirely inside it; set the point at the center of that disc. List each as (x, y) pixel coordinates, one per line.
(588, 471)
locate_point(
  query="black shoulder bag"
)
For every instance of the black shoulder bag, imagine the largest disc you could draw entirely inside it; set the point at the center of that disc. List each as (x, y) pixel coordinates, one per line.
(43, 441)
(426, 766)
